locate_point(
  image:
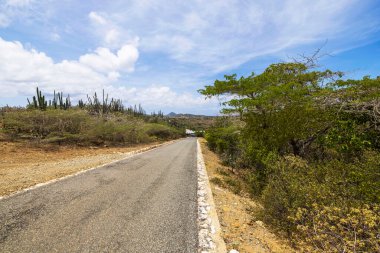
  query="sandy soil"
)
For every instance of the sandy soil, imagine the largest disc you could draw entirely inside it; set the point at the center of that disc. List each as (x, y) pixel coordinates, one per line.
(22, 166)
(241, 230)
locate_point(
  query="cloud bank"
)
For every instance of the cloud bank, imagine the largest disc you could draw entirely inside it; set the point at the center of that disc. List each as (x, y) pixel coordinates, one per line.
(22, 67)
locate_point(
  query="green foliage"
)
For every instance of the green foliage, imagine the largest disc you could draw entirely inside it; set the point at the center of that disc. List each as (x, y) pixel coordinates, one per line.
(162, 131)
(199, 133)
(223, 139)
(77, 126)
(308, 138)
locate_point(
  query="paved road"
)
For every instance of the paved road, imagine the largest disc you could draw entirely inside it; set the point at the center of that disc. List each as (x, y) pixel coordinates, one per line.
(147, 203)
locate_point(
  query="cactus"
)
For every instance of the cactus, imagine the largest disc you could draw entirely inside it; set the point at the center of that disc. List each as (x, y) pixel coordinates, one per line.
(81, 104)
(39, 102)
(54, 104)
(135, 111)
(105, 106)
(58, 101)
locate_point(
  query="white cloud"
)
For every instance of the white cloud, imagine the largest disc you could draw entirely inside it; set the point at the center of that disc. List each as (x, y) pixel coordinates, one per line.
(21, 69)
(104, 61)
(220, 35)
(163, 97)
(112, 36)
(11, 9)
(97, 18)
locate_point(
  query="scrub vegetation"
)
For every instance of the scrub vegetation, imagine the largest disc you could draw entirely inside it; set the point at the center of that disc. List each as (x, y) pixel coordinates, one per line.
(99, 121)
(307, 142)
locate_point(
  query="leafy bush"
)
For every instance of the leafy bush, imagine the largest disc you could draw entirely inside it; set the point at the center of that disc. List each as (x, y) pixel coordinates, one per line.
(162, 132)
(223, 139)
(308, 138)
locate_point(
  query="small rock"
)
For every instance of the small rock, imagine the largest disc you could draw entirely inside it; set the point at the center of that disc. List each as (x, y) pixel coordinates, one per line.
(202, 217)
(205, 226)
(260, 223)
(234, 251)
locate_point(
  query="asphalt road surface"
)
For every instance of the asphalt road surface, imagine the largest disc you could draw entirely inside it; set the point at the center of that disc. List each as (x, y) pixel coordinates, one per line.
(146, 203)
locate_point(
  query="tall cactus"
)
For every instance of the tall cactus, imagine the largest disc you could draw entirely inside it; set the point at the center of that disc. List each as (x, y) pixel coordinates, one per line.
(39, 102)
(81, 104)
(103, 106)
(54, 101)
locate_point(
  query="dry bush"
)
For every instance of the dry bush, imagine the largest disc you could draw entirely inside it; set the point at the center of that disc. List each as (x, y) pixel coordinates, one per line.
(335, 229)
(78, 126)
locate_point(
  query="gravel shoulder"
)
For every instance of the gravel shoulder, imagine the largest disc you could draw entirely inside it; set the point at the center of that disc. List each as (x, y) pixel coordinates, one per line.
(241, 230)
(23, 166)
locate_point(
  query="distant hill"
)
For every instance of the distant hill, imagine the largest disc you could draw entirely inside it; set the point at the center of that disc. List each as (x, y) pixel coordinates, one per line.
(190, 121)
(172, 114)
(184, 115)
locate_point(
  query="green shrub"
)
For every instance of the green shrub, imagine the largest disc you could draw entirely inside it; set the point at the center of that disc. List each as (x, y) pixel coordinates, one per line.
(162, 132)
(307, 138)
(224, 139)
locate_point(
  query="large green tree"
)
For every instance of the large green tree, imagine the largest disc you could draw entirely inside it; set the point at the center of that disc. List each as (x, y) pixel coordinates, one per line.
(290, 105)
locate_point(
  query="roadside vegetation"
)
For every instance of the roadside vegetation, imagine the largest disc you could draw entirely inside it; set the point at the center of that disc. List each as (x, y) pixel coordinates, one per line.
(307, 142)
(239, 215)
(98, 121)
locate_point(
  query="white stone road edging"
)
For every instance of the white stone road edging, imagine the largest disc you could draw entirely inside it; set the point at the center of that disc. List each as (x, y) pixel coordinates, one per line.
(127, 155)
(209, 236)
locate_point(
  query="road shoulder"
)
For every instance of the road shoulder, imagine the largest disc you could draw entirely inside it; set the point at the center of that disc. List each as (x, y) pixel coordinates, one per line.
(210, 239)
(240, 229)
(24, 168)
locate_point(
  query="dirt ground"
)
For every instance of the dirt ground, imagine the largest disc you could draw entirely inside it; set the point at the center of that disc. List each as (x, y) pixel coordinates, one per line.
(22, 166)
(236, 212)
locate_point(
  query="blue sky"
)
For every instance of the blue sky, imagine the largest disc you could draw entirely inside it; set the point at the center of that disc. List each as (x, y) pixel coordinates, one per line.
(158, 53)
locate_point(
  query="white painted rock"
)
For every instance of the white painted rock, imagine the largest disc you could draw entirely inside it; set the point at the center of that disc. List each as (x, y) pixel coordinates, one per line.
(260, 223)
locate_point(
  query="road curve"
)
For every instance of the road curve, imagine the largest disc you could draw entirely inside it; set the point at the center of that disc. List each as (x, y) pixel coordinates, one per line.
(146, 203)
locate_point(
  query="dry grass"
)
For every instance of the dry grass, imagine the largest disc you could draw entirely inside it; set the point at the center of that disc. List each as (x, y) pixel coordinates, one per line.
(22, 166)
(236, 211)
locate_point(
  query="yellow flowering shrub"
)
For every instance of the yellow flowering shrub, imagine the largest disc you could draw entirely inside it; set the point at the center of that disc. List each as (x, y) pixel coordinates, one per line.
(335, 229)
